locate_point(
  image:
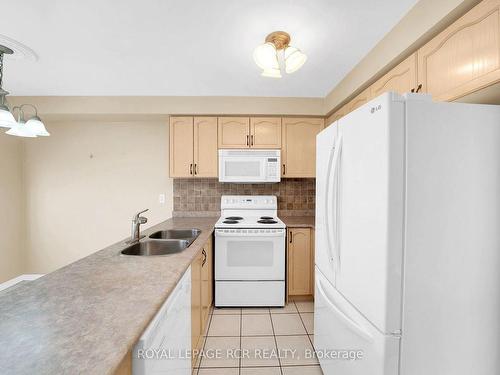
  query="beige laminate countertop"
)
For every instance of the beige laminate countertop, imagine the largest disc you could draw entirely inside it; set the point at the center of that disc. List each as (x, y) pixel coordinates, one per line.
(298, 221)
(84, 318)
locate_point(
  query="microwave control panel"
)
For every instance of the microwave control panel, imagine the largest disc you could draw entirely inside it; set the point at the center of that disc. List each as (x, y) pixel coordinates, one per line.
(272, 167)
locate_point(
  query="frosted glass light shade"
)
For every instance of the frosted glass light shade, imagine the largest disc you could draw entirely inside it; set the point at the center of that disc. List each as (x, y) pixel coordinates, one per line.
(265, 56)
(7, 120)
(273, 73)
(294, 59)
(21, 130)
(36, 126)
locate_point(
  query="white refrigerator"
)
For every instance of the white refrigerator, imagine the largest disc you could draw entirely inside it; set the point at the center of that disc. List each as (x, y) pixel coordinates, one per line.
(407, 247)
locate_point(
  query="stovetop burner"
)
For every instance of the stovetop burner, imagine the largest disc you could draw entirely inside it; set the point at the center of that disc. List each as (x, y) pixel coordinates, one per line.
(266, 218)
(230, 221)
(267, 221)
(234, 218)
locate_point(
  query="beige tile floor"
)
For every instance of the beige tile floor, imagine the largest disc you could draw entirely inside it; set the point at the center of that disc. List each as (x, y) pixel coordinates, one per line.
(262, 333)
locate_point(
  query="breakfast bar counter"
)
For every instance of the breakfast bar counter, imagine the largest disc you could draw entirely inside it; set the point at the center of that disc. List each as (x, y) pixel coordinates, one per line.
(86, 317)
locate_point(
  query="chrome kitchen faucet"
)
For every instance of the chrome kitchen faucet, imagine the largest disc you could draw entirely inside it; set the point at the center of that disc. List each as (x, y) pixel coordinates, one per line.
(137, 220)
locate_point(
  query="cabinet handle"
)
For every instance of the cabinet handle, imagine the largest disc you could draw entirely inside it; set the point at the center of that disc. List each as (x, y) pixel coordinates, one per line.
(284, 169)
(419, 87)
(195, 168)
(190, 168)
(291, 236)
(251, 140)
(204, 257)
(248, 142)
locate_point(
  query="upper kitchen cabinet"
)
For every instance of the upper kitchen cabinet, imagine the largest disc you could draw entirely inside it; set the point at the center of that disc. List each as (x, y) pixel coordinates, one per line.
(205, 147)
(193, 146)
(341, 112)
(234, 132)
(465, 57)
(401, 79)
(265, 132)
(359, 100)
(181, 146)
(244, 132)
(298, 152)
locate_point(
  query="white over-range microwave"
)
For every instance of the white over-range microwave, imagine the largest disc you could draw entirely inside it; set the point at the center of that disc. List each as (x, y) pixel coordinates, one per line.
(249, 166)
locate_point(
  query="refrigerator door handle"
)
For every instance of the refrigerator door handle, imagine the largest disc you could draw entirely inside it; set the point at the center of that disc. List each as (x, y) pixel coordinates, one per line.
(328, 204)
(337, 199)
(351, 323)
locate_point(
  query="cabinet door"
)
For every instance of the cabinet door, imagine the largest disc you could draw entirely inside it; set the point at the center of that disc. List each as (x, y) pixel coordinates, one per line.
(210, 262)
(205, 147)
(234, 132)
(300, 262)
(298, 151)
(401, 79)
(341, 112)
(181, 146)
(464, 57)
(196, 331)
(265, 132)
(206, 282)
(359, 100)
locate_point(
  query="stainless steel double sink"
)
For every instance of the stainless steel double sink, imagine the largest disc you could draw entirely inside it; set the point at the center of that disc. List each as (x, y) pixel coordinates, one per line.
(164, 242)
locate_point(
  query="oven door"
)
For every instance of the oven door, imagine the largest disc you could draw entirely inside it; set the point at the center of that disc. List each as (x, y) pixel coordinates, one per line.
(249, 254)
(242, 169)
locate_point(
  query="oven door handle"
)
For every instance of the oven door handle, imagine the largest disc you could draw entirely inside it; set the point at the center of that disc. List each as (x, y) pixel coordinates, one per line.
(249, 233)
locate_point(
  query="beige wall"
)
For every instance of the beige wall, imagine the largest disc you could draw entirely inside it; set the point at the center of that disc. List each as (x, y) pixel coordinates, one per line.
(160, 106)
(11, 208)
(84, 183)
(107, 158)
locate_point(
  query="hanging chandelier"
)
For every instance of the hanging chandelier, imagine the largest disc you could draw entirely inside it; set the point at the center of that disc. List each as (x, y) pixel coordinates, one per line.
(18, 125)
(277, 49)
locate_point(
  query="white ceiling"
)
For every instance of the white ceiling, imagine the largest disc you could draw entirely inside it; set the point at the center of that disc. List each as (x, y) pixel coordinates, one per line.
(187, 47)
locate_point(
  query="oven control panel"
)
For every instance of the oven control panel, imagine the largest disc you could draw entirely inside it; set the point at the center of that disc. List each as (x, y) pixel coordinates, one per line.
(250, 232)
(249, 201)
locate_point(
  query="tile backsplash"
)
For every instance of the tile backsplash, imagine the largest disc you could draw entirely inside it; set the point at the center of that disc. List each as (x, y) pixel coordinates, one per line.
(296, 196)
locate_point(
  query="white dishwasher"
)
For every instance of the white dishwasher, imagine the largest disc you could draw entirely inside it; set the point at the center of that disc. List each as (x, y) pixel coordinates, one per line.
(165, 344)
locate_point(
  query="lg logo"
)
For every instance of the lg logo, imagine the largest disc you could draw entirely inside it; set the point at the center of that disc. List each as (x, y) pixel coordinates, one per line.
(375, 109)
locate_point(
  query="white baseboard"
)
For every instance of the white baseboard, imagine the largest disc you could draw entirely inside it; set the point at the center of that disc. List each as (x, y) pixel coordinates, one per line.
(18, 279)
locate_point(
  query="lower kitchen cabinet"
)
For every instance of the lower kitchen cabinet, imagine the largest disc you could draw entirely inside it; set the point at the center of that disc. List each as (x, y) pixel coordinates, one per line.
(300, 257)
(206, 283)
(201, 295)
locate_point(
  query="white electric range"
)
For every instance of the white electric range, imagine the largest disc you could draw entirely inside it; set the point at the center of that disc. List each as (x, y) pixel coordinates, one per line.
(249, 252)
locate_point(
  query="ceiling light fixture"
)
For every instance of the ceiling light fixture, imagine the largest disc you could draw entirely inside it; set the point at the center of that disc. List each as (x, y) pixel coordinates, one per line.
(31, 128)
(266, 55)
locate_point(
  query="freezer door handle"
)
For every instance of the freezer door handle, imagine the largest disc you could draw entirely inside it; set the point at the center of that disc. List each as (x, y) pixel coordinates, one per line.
(331, 215)
(350, 323)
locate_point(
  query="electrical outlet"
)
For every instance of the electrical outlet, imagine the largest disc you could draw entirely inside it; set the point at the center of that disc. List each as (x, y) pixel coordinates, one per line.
(161, 198)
